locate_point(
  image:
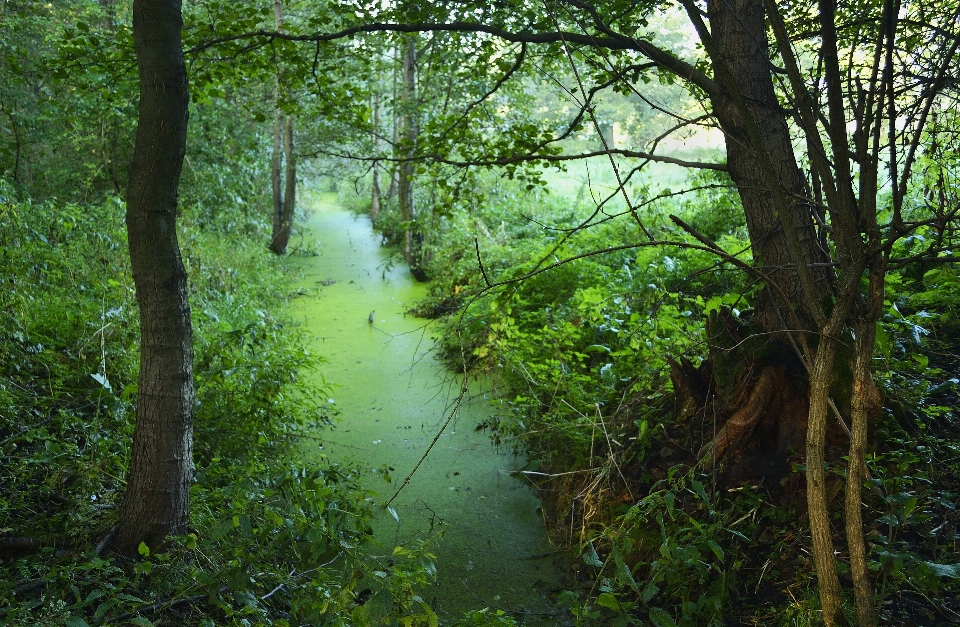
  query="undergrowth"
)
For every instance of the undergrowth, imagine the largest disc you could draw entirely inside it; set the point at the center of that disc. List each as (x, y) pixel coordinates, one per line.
(274, 539)
(580, 353)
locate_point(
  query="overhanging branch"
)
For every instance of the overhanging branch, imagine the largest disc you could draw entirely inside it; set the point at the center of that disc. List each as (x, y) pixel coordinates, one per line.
(662, 58)
(529, 158)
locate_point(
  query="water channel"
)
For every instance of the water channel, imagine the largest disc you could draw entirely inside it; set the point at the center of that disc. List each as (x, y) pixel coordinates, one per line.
(394, 397)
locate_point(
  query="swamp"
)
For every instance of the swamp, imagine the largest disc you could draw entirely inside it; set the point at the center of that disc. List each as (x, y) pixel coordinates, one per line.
(490, 314)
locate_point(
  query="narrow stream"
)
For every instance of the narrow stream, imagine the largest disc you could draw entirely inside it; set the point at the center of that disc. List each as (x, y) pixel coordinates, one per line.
(394, 397)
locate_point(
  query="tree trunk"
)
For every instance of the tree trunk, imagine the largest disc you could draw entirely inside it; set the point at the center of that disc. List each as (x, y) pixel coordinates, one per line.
(276, 167)
(412, 246)
(864, 399)
(108, 13)
(827, 580)
(856, 471)
(788, 250)
(284, 200)
(740, 33)
(779, 219)
(395, 131)
(375, 193)
(157, 499)
(375, 187)
(285, 224)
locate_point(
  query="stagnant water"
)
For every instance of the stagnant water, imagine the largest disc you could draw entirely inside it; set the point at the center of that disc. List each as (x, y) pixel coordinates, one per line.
(394, 397)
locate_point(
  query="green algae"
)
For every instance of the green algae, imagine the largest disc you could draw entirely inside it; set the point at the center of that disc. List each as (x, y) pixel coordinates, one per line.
(394, 398)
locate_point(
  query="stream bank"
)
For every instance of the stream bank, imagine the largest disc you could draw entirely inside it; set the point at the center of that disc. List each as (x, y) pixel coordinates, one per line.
(394, 398)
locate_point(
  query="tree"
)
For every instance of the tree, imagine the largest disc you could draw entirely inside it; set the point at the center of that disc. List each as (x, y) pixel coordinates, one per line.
(284, 198)
(63, 133)
(407, 147)
(157, 499)
(375, 169)
(821, 226)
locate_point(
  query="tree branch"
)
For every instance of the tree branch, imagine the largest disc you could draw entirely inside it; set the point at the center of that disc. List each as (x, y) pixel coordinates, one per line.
(496, 161)
(662, 58)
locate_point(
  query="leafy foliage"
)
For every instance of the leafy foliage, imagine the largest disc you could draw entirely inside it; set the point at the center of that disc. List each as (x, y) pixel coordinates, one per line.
(273, 541)
(580, 352)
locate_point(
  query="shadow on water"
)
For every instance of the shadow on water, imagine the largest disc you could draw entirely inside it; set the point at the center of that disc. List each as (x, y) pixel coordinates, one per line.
(394, 397)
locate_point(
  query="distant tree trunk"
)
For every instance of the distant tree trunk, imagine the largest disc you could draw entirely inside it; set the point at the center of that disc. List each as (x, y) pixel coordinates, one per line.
(282, 236)
(394, 182)
(395, 132)
(14, 126)
(375, 187)
(157, 499)
(276, 168)
(412, 245)
(284, 199)
(108, 10)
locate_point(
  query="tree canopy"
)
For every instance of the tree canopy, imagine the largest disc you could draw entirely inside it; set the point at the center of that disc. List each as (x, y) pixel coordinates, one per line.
(818, 147)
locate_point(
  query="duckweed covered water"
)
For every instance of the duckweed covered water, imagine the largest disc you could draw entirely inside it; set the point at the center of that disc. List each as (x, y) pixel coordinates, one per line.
(394, 397)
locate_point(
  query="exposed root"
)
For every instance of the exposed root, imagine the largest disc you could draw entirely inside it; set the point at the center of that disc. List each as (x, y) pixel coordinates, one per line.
(741, 423)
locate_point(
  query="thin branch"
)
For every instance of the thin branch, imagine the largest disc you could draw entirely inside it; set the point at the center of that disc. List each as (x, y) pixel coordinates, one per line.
(495, 161)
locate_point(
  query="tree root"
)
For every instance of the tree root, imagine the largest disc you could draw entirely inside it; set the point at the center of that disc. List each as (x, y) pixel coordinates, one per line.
(742, 422)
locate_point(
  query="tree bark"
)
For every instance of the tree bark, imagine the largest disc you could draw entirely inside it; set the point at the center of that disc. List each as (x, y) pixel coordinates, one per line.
(739, 29)
(276, 168)
(408, 214)
(157, 499)
(396, 121)
(375, 187)
(284, 199)
(282, 236)
(865, 397)
(856, 472)
(827, 580)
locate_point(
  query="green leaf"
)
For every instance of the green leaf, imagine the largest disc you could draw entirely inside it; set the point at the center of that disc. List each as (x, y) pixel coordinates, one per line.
(623, 571)
(143, 549)
(608, 601)
(660, 618)
(103, 608)
(883, 340)
(75, 621)
(738, 534)
(909, 506)
(716, 549)
(142, 621)
(128, 391)
(130, 598)
(590, 556)
(669, 498)
(596, 348)
(944, 570)
(649, 592)
(701, 492)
